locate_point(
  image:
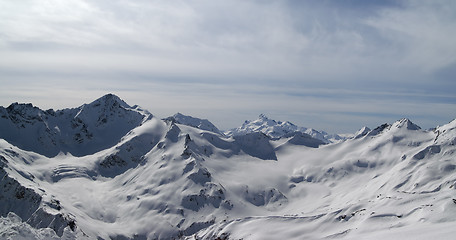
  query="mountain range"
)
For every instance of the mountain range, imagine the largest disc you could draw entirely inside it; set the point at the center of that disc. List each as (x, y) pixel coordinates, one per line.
(279, 129)
(108, 170)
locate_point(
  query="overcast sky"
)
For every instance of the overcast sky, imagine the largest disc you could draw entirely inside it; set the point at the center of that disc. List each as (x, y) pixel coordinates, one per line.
(330, 65)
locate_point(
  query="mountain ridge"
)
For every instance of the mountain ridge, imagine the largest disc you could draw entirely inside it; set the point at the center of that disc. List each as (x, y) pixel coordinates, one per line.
(203, 124)
(278, 129)
(73, 130)
(171, 179)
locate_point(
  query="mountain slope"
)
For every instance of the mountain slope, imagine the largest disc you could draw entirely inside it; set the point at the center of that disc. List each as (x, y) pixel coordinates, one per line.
(401, 178)
(202, 124)
(166, 179)
(79, 131)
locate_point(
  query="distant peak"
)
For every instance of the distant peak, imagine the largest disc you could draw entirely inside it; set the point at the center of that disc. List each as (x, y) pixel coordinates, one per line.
(289, 123)
(177, 115)
(109, 100)
(203, 124)
(364, 129)
(379, 129)
(22, 108)
(111, 97)
(405, 122)
(362, 132)
(263, 116)
(17, 105)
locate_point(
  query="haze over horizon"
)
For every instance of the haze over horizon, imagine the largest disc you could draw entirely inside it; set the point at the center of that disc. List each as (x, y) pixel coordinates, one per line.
(330, 65)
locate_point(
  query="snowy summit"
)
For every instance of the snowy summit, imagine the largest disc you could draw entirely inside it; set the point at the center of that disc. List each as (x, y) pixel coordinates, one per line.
(278, 129)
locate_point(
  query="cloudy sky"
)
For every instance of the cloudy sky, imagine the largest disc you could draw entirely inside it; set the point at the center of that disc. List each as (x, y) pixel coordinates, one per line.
(330, 65)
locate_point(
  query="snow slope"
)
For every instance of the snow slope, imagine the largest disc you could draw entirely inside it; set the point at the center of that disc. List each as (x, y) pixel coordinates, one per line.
(171, 179)
(203, 124)
(394, 183)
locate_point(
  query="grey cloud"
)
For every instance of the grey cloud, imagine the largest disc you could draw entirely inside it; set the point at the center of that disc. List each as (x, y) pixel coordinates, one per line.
(264, 54)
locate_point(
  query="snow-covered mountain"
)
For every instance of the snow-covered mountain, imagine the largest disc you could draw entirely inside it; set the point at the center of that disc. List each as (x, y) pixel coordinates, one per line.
(179, 179)
(79, 131)
(202, 124)
(278, 129)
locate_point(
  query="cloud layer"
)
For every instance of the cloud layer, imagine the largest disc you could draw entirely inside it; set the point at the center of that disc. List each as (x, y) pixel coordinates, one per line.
(331, 65)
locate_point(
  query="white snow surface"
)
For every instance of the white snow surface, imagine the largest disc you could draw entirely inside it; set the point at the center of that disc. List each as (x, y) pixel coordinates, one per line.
(12, 227)
(159, 179)
(278, 129)
(202, 124)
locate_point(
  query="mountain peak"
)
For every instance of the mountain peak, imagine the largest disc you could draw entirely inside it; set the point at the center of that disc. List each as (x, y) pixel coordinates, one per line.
(23, 110)
(179, 115)
(202, 124)
(263, 116)
(263, 119)
(362, 132)
(79, 131)
(20, 107)
(109, 100)
(407, 124)
(277, 129)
